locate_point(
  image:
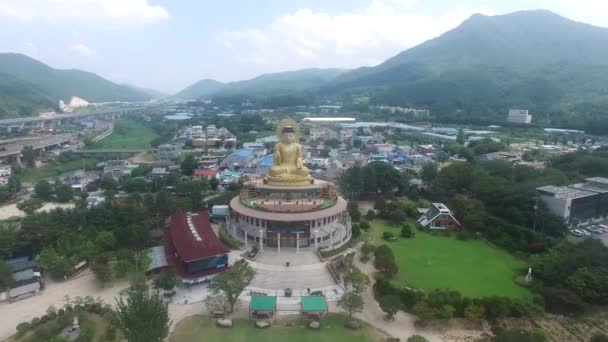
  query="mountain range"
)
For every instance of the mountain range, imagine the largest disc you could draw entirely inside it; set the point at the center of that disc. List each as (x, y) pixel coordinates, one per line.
(280, 83)
(28, 86)
(535, 60)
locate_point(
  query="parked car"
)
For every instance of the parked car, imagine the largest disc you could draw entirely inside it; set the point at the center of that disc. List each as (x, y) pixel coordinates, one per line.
(595, 229)
(576, 233)
(584, 231)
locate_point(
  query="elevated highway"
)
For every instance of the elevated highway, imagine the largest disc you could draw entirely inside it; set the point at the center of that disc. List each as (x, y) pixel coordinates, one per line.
(60, 118)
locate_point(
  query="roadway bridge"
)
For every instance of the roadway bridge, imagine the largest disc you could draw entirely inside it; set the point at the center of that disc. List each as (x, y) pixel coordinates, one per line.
(12, 151)
(107, 113)
(108, 150)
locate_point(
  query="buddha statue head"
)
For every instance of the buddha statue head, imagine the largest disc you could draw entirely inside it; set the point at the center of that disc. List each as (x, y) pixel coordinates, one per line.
(288, 134)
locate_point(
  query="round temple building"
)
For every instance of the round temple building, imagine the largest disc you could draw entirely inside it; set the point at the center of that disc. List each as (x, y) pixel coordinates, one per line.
(288, 208)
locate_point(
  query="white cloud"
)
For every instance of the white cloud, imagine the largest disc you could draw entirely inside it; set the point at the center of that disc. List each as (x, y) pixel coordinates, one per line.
(107, 12)
(368, 36)
(80, 50)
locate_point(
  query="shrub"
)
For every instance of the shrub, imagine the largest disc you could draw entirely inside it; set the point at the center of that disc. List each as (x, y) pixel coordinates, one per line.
(417, 338)
(383, 250)
(410, 297)
(386, 265)
(562, 301)
(599, 337)
(446, 311)
(227, 239)
(497, 307)
(356, 230)
(424, 312)
(462, 235)
(35, 322)
(388, 236)
(371, 215)
(23, 327)
(406, 231)
(474, 312)
(367, 249)
(364, 225)
(390, 305)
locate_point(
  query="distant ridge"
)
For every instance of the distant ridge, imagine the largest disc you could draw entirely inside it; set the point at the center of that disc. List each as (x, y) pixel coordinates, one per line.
(27, 86)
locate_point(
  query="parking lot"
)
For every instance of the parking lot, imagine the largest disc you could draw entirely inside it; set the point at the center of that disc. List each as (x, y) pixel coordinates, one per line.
(594, 235)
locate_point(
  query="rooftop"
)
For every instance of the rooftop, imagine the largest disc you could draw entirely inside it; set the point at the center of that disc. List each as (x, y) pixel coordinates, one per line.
(193, 236)
(441, 207)
(600, 180)
(205, 172)
(565, 191)
(263, 303)
(314, 303)
(243, 153)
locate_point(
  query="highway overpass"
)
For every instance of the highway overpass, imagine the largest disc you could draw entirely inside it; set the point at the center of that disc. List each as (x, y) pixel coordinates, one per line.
(107, 113)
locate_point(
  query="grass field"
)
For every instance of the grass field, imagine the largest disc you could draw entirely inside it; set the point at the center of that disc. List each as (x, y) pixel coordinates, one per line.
(472, 267)
(128, 135)
(202, 328)
(32, 175)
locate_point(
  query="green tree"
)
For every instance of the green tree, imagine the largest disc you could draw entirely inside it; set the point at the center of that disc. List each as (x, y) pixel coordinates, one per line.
(233, 281)
(64, 193)
(144, 317)
(8, 239)
(406, 231)
(58, 266)
(43, 190)
(136, 185)
(102, 271)
(188, 165)
(29, 206)
(429, 172)
(416, 338)
(28, 155)
(460, 138)
(352, 302)
(108, 183)
(423, 311)
(213, 183)
(355, 280)
(167, 280)
(6, 275)
(14, 184)
(474, 312)
(599, 337)
(105, 241)
(390, 305)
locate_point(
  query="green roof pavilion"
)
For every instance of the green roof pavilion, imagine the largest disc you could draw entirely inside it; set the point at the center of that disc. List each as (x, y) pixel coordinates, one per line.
(314, 303)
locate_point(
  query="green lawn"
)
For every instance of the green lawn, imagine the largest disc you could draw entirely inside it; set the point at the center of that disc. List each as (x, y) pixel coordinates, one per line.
(472, 267)
(203, 328)
(128, 135)
(55, 169)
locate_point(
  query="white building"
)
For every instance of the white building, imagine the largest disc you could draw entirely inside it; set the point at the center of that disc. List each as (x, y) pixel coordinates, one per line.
(519, 116)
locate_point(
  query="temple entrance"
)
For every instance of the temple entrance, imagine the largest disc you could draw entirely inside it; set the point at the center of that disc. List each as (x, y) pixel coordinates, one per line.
(287, 239)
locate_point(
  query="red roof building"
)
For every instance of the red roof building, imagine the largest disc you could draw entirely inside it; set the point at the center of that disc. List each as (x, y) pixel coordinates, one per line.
(193, 248)
(205, 173)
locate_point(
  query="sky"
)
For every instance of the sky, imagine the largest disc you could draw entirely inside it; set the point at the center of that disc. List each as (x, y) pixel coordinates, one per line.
(169, 44)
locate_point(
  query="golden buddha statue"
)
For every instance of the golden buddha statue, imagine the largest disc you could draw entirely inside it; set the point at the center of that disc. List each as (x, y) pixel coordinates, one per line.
(288, 168)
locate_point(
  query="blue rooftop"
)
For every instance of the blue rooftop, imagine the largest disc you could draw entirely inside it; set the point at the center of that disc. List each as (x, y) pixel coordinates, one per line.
(267, 161)
(244, 153)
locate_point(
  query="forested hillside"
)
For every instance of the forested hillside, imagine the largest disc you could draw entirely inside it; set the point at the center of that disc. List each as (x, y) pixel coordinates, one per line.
(28, 86)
